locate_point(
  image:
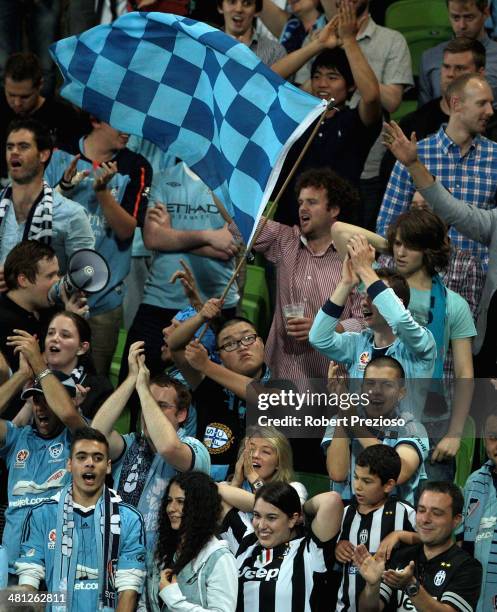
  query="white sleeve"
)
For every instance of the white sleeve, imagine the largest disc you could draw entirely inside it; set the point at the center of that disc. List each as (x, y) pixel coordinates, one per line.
(30, 573)
(222, 590)
(130, 579)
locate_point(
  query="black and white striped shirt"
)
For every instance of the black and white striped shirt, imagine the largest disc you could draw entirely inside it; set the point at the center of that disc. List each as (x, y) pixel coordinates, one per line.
(369, 529)
(279, 579)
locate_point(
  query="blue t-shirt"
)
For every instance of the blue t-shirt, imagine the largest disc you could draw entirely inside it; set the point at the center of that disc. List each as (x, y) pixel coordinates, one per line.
(130, 187)
(191, 207)
(412, 433)
(39, 548)
(158, 478)
(37, 469)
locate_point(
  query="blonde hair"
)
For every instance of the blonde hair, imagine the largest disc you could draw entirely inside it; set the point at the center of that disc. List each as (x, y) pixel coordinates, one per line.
(284, 471)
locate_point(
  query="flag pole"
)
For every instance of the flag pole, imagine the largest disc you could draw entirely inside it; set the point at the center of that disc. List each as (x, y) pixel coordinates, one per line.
(274, 203)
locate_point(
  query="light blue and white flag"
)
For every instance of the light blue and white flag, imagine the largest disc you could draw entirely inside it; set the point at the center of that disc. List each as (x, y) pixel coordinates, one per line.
(196, 93)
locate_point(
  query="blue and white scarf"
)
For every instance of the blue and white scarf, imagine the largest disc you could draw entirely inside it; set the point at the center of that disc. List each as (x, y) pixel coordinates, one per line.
(108, 524)
(39, 222)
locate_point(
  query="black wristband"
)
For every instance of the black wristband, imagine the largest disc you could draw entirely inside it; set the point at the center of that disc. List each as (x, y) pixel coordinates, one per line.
(64, 185)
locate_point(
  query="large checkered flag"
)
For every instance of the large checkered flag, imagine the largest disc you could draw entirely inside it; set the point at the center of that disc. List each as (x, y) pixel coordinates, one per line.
(196, 93)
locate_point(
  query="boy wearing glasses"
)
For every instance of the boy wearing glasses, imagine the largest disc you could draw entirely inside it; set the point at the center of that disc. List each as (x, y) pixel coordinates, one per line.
(219, 390)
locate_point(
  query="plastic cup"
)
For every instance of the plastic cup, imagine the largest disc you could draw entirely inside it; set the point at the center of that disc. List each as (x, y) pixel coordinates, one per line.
(293, 311)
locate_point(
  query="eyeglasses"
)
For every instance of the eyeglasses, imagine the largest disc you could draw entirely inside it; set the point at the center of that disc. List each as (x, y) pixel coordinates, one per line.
(232, 345)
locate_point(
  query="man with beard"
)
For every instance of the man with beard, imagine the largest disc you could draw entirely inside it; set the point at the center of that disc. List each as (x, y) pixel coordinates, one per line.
(308, 270)
(465, 161)
(84, 541)
(435, 575)
(384, 382)
(29, 208)
(35, 454)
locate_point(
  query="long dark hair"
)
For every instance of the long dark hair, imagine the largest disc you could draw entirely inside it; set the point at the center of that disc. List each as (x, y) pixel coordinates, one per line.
(201, 513)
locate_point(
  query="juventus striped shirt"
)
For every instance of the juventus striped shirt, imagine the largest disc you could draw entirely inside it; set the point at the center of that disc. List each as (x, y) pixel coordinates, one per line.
(279, 579)
(369, 529)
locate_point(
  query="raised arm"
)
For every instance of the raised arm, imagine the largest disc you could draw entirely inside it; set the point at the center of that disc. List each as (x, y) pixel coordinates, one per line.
(4, 369)
(234, 497)
(475, 223)
(419, 339)
(290, 63)
(15, 383)
(161, 430)
(184, 334)
(323, 334)
(364, 77)
(197, 357)
(327, 509)
(56, 396)
(112, 408)
(122, 223)
(273, 17)
(342, 232)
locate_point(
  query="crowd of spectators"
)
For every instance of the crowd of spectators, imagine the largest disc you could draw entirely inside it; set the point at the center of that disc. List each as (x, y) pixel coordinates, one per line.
(131, 478)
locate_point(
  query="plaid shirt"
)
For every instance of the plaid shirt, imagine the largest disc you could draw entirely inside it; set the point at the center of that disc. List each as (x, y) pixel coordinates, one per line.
(472, 179)
(464, 275)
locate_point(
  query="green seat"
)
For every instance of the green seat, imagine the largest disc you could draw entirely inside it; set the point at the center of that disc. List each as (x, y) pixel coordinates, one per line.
(408, 15)
(464, 457)
(422, 39)
(314, 483)
(406, 107)
(256, 295)
(117, 357)
(250, 310)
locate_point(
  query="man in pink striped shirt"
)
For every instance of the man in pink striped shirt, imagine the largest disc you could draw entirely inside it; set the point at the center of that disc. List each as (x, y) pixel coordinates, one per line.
(308, 269)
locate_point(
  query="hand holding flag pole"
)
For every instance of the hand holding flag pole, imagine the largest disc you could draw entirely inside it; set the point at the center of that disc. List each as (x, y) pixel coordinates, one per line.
(274, 203)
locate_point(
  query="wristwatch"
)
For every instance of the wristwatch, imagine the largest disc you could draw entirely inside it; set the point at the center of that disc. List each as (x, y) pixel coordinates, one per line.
(412, 589)
(257, 484)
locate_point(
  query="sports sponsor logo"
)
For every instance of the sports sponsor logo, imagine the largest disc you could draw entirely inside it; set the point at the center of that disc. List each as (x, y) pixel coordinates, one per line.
(439, 578)
(56, 476)
(364, 359)
(27, 502)
(473, 505)
(21, 458)
(56, 450)
(52, 538)
(217, 438)
(85, 586)
(363, 536)
(259, 574)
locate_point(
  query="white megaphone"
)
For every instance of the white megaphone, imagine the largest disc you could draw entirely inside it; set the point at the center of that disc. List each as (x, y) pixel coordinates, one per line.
(87, 271)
